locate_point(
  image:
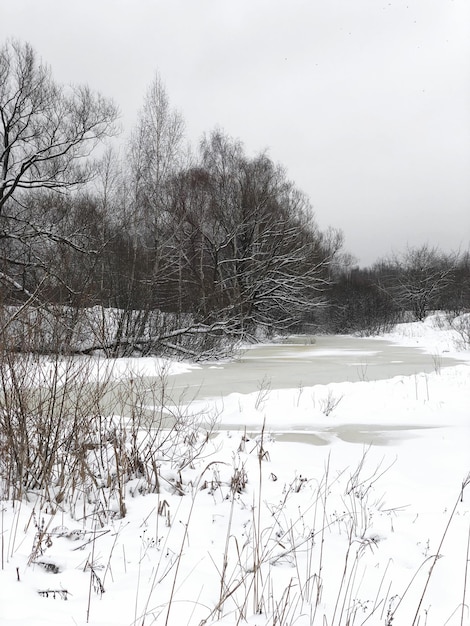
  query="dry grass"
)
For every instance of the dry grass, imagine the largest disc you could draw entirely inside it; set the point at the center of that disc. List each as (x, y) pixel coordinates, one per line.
(85, 448)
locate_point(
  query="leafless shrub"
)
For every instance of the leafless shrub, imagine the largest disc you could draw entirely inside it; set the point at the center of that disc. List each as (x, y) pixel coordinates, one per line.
(330, 403)
(461, 325)
(60, 436)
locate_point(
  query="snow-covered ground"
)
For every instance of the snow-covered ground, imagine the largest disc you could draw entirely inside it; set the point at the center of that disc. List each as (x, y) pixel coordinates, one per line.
(339, 505)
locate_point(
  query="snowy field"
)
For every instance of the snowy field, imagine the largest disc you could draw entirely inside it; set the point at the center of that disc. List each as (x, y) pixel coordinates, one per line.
(337, 505)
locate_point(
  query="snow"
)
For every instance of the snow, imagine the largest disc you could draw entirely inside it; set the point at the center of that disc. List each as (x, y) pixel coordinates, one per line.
(39, 371)
(332, 505)
(436, 335)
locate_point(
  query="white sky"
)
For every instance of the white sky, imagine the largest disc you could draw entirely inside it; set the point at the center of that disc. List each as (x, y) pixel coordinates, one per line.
(365, 102)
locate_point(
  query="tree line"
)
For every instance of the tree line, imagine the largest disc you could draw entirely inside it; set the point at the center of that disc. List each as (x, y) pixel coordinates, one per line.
(406, 286)
(158, 248)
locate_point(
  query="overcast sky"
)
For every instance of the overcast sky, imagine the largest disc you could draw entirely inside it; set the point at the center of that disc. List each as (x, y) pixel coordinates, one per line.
(365, 102)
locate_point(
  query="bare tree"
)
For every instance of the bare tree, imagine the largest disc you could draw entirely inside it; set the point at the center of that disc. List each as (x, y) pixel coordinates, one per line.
(417, 278)
(252, 249)
(156, 143)
(47, 135)
(155, 151)
(47, 132)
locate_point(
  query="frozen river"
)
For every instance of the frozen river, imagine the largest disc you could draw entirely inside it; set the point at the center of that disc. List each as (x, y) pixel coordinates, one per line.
(303, 362)
(294, 363)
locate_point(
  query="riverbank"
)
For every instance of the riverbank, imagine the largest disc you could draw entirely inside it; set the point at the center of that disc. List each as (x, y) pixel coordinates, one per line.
(370, 530)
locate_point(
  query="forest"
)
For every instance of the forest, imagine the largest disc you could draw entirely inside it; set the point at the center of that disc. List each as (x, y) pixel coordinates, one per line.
(139, 244)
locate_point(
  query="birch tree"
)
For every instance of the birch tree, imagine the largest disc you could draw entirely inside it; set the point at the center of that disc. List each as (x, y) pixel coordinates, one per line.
(156, 150)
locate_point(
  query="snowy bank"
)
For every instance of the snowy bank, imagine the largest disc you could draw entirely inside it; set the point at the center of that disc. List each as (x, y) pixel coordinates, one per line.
(360, 514)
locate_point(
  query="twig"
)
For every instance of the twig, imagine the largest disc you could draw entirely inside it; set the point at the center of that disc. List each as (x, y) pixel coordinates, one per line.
(438, 553)
(465, 576)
